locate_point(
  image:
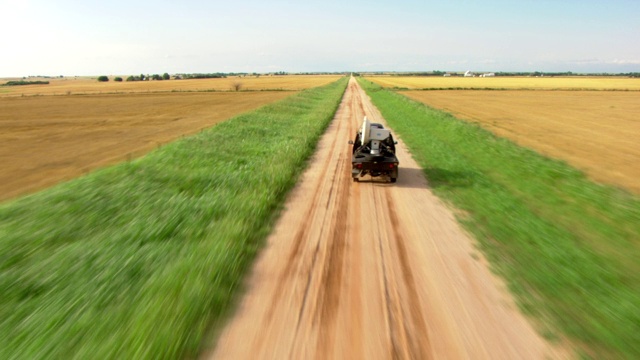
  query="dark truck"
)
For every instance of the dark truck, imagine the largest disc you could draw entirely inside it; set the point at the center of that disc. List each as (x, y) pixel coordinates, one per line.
(374, 152)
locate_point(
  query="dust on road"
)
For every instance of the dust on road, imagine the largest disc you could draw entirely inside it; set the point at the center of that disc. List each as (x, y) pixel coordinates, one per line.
(372, 270)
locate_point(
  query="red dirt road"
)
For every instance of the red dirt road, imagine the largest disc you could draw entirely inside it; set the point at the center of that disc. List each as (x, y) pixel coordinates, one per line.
(372, 270)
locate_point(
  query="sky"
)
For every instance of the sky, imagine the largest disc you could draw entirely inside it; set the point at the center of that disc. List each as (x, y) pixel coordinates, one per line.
(120, 37)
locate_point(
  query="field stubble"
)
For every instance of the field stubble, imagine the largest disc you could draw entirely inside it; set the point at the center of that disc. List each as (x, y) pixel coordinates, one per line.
(47, 139)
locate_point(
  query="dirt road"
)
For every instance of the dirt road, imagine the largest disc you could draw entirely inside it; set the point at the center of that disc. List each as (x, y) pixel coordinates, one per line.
(372, 270)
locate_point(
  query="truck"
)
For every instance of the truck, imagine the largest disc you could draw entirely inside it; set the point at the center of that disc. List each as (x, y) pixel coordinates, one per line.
(374, 153)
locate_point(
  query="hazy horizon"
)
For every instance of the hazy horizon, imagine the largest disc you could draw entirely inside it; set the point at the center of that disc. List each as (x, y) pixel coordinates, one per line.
(75, 38)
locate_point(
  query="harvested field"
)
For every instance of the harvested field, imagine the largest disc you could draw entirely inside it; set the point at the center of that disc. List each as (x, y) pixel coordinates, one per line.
(533, 83)
(47, 139)
(594, 131)
(86, 85)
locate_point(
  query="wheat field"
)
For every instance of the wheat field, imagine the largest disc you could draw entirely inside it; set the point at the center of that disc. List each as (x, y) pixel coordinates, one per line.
(532, 83)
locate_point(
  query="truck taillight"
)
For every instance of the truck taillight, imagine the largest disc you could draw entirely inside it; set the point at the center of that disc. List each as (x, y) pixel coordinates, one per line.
(359, 166)
(391, 166)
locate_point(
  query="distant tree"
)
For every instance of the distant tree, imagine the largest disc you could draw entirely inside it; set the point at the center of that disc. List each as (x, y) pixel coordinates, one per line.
(131, 78)
(156, 77)
(166, 76)
(237, 85)
(117, 78)
(103, 78)
(142, 78)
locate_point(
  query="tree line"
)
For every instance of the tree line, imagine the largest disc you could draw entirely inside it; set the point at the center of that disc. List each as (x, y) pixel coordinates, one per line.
(141, 77)
(22, 82)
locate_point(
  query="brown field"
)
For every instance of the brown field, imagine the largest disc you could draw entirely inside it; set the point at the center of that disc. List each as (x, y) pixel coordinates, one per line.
(47, 139)
(594, 131)
(541, 83)
(86, 85)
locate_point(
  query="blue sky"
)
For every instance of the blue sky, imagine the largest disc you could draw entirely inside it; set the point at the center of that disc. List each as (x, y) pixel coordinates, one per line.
(69, 37)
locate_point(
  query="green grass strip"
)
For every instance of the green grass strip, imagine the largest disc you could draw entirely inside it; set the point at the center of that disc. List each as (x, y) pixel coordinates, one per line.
(569, 248)
(137, 260)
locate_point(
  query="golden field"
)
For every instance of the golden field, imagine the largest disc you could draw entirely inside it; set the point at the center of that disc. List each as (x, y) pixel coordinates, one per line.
(89, 85)
(47, 139)
(533, 83)
(595, 131)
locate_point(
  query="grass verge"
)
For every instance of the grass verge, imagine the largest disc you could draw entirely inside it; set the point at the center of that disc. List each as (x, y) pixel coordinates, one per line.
(568, 247)
(136, 260)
